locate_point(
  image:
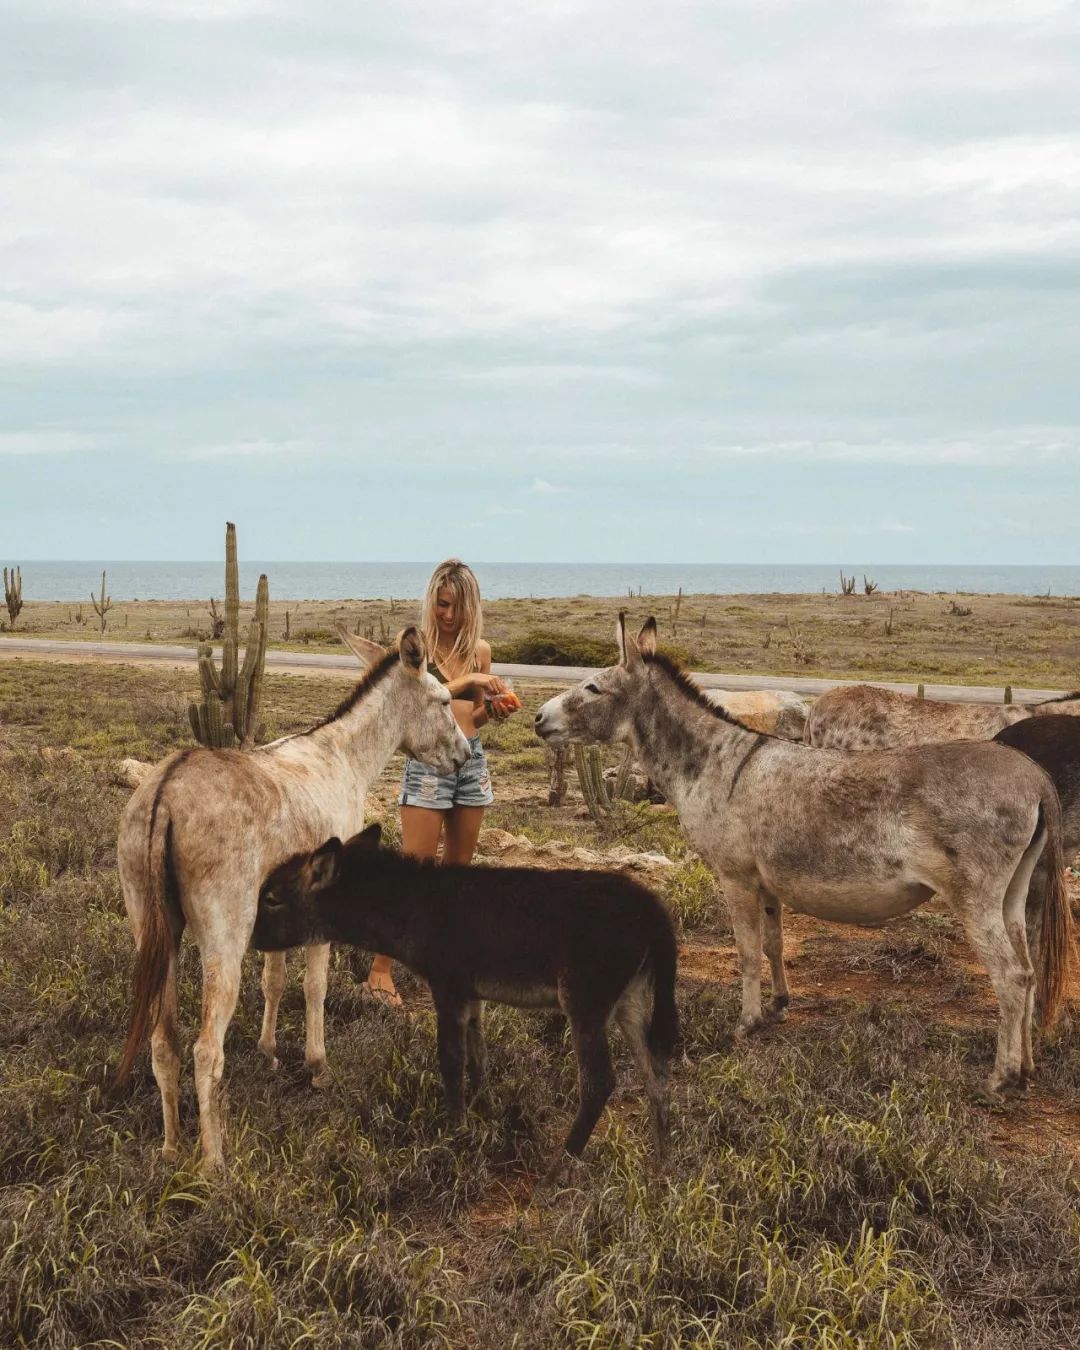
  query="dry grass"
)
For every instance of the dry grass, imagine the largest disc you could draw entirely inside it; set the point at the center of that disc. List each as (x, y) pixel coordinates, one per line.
(1022, 640)
(832, 1185)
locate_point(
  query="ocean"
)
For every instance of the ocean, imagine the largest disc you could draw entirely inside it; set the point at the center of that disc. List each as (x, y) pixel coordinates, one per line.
(378, 580)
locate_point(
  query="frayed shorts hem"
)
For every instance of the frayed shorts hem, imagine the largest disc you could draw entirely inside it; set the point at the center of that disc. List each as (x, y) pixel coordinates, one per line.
(470, 786)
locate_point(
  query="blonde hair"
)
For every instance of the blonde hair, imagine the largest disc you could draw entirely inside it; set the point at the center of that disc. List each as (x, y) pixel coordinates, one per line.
(458, 578)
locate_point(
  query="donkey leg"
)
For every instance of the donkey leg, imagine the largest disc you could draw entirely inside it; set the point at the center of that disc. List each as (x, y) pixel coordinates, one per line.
(221, 987)
(633, 1012)
(1033, 911)
(450, 1012)
(772, 922)
(274, 977)
(475, 1045)
(596, 1082)
(165, 1057)
(316, 967)
(1029, 871)
(746, 920)
(1012, 979)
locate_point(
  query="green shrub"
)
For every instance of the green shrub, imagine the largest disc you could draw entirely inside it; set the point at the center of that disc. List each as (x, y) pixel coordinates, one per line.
(557, 649)
(693, 895)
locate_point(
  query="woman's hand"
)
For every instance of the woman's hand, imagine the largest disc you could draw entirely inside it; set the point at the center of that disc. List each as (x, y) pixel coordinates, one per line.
(483, 681)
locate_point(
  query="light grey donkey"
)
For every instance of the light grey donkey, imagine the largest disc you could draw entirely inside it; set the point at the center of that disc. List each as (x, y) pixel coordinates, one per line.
(867, 717)
(204, 828)
(853, 838)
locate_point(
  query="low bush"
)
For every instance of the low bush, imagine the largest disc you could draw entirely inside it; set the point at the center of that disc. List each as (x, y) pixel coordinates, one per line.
(556, 649)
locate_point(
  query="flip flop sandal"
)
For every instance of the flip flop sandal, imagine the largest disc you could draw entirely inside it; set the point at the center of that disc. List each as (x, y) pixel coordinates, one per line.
(385, 998)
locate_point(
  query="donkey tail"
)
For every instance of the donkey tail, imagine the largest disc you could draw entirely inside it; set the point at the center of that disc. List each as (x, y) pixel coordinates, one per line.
(663, 1033)
(158, 943)
(1056, 948)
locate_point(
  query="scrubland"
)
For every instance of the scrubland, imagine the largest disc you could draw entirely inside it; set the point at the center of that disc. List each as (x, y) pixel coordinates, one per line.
(1001, 639)
(833, 1181)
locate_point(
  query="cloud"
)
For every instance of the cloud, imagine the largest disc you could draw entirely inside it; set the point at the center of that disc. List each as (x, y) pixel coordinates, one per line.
(45, 442)
(249, 450)
(642, 247)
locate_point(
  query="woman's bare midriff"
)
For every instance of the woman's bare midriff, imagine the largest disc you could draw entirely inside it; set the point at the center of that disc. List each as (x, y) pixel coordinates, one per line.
(463, 710)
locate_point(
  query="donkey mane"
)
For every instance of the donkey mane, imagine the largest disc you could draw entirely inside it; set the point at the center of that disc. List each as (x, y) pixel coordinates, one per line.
(679, 676)
(1060, 698)
(371, 677)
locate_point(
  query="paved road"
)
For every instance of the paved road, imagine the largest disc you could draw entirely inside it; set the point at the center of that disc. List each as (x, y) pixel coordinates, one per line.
(345, 667)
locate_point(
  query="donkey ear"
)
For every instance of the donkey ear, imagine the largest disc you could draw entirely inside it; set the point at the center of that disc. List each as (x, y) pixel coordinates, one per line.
(369, 838)
(368, 652)
(324, 865)
(629, 656)
(646, 639)
(411, 647)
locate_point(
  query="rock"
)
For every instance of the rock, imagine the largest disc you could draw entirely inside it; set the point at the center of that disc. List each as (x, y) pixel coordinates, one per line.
(495, 841)
(131, 772)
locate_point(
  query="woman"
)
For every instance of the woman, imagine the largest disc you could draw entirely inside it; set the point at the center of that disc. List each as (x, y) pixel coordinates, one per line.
(450, 808)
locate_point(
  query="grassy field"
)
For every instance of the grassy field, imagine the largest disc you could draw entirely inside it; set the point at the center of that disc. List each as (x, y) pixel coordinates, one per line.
(1032, 640)
(833, 1182)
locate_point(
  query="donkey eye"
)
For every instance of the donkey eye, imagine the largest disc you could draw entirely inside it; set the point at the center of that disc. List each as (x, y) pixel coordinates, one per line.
(591, 688)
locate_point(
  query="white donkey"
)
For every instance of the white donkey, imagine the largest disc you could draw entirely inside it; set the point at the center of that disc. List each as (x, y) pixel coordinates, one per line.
(204, 828)
(853, 838)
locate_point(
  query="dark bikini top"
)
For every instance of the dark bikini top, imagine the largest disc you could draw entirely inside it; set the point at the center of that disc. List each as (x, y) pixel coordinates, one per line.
(434, 670)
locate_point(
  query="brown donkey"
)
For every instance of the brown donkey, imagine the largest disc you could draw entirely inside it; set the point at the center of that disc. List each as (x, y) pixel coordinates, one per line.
(596, 944)
(867, 717)
(201, 832)
(849, 838)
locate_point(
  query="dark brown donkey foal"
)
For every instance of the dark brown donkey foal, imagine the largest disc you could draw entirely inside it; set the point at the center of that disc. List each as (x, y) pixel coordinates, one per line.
(595, 944)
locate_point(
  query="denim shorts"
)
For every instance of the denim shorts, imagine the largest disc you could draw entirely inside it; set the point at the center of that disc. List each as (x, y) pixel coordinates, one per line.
(470, 786)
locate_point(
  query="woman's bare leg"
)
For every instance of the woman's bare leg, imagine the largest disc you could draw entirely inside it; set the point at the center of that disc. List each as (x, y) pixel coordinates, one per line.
(420, 830)
(462, 831)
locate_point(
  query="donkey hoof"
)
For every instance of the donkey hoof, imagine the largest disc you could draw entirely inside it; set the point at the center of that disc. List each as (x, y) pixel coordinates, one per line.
(170, 1153)
(320, 1074)
(746, 1026)
(989, 1095)
(210, 1167)
(558, 1174)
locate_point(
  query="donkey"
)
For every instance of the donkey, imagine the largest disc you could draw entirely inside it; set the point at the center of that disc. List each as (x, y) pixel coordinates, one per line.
(1054, 743)
(595, 944)
(203, 829)
(849, 838)
(867, 717)
(777, 712)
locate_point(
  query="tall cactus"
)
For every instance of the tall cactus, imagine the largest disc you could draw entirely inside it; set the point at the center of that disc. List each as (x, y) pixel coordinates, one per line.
(102, 606)
(600, 794)
(228, 715)
(13, 593)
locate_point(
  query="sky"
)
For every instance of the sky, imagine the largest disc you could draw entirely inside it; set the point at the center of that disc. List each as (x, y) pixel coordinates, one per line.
(679, 282)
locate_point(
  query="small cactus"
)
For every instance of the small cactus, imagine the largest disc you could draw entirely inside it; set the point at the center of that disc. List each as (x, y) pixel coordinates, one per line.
(847, 584)
(13, 593)
(102, 606)
(227, 716)
(599, 794)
